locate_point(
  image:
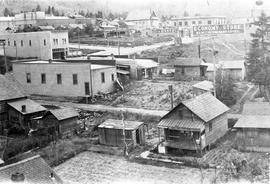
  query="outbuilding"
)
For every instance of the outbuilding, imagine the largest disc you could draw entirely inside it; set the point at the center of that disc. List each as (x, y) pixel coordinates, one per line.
(111, 133)
(203, 87)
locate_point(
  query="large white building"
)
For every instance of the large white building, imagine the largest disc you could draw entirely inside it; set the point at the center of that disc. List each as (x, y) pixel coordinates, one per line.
(42, 45)
(64, 79)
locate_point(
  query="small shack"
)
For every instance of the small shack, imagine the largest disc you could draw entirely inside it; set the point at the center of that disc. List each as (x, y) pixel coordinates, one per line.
(253, 133)
(111, 132)
(203, 87)
(64, 121)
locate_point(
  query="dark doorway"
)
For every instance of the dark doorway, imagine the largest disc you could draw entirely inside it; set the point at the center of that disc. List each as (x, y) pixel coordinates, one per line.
(86, 86)
(138, 136)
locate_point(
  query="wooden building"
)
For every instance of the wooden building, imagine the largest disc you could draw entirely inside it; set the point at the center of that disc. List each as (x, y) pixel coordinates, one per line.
(193, 125)
(189, 68)
(253, 133)
(203, 87)
(63, 121)
(22, 112)
(111, 133)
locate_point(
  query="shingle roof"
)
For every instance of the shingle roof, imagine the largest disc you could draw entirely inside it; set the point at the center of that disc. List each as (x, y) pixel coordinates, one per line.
(256, 108)
(235, 64)
(205, 85)
(182, 124)
(64, 113)
(180, 61)
(34, 169)
(9, 88)
(117, 124)
(206, 106)
(30, 105)
(253, 121)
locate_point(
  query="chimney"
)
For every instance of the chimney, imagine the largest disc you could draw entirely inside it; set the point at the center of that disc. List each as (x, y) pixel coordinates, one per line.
(23, 108)
(50, 60)
(17, 177)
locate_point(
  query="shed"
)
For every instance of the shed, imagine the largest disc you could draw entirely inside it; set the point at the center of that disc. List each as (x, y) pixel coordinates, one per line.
(253, 133)
(64, 120)
(111, 132)
(203, 87)
(234, 68)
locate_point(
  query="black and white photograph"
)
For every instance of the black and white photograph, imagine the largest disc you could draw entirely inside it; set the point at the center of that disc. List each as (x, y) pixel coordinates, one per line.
(134, 91)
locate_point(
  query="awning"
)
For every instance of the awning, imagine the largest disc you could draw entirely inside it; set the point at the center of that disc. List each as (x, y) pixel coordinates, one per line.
(182, 124)
(124, 72)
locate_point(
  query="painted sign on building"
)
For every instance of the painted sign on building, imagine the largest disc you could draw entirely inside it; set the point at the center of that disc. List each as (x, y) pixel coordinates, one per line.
(218, 29)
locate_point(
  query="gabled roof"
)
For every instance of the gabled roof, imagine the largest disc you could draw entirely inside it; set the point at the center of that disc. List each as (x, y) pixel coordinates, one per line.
(64, 113)
(253, 121)
(256, 108)
(31, 106)
(181, 61)
(10, 88)
(205, 106)
(118, 124)
(182, 124)
(34, 169)
(205, 85)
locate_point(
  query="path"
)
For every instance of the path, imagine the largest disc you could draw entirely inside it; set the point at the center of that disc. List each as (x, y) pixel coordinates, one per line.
(105, 108)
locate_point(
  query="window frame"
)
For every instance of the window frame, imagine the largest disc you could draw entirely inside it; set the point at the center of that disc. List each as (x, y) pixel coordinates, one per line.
(75, 79)
(43, 78)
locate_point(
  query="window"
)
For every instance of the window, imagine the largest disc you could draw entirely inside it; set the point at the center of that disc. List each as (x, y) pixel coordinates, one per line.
(28, 77)
(252, 133)
(180, 23)
(59, 78)
(186, 23)
(193, 22)
(209, 22)
(43, 78)
(112, 77)
(64, 41)
(86, 87)
(102, 77)
(44, 42)
(75, 79)
(8, 43)
(183, 71)
(22, 43)
(30, 43)
(15, 44)
(174, 23)
(210, 126)
(200, 22)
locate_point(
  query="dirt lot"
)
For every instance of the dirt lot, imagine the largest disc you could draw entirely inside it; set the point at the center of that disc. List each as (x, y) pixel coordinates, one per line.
(154, 95)
(89, 167)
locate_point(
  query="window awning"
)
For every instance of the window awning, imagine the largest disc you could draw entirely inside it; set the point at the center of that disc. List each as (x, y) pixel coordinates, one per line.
(182, 124)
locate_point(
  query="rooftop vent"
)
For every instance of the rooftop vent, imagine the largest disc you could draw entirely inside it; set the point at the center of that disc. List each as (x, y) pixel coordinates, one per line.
(23, 108)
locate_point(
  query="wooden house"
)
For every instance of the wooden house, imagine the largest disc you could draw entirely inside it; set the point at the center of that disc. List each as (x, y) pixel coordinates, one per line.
(111, 133)
(189, 68)
(253, 133)
(22, 112)
(62, 121)
(193, 125)
(203, 87)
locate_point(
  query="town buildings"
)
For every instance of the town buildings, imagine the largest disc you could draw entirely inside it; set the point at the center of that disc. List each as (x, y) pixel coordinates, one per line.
(111, 133)
(65, 79)
(42, 44)
(193, 125)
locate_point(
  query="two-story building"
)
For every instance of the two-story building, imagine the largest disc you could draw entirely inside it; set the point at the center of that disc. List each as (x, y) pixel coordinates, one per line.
(42, 44)
(64, 78)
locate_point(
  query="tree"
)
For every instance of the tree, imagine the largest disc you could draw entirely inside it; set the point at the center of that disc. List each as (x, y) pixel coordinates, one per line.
(53, 10)
(258, 61)
(89, 29)
(38, 8)
(99, 14)
(49, 11)
(6, 12)
(111, 16)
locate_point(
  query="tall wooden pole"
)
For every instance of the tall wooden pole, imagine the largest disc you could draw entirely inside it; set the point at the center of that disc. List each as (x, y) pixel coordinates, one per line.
(171, 94)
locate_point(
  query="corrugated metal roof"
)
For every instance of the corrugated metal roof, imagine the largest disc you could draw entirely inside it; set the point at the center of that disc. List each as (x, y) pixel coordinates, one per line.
(206, 106)
(118, 124)
(34, 169)
(205, 85)
(30, 105)
(64, 113)
(253, 121)
(182, 124)
(180, 61)
(256, 108)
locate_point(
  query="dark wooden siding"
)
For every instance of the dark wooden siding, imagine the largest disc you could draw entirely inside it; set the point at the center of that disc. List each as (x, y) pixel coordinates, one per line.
(219, 128)
(67, 126)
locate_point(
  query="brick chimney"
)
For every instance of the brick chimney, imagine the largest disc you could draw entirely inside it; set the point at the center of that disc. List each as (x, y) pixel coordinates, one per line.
(23, 108)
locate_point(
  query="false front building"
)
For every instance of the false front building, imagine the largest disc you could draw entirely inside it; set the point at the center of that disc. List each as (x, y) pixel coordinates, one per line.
(193, 125)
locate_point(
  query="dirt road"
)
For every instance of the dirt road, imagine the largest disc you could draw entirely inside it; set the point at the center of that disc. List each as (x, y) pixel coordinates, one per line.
(93, 168)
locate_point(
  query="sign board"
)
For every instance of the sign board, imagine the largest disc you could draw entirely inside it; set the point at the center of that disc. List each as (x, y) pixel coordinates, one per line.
(218, 29)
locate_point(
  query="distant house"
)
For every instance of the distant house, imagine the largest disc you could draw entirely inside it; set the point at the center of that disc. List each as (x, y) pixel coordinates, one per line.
(256, 108)
(63, 121)
(111, 133)
(253, 133)
(31, 171)
(189, 68)
(203, 87)
(21, 113)
(193, 125)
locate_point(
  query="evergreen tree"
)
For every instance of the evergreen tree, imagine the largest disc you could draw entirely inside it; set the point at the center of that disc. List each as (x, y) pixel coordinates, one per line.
(53, 10)
(38, 8)
(258, 61)
(49, 10)
(6, 12)
(111, 16)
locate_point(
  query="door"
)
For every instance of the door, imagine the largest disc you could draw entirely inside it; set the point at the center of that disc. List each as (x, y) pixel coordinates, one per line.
(87, 90)
(138, 136)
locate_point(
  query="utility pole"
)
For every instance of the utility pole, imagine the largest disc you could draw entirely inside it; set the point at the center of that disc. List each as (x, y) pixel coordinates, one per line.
(124, 135)
(117, 31)
(171, 94)
(3, 43)
(214, 62)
